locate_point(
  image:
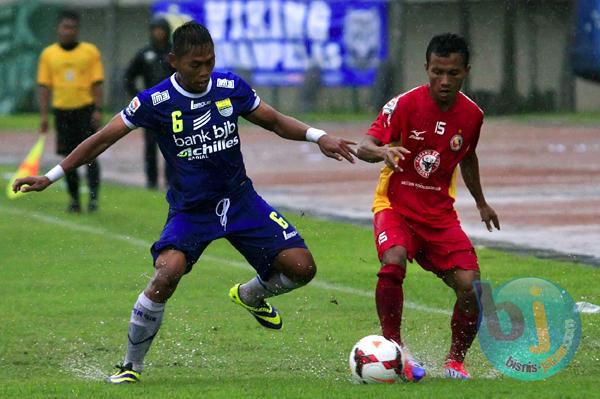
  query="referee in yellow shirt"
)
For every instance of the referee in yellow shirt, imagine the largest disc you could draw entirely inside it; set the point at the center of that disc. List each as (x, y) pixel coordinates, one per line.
(70, 73)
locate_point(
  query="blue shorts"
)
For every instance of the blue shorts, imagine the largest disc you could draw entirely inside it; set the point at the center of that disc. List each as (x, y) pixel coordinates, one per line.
(246, 220)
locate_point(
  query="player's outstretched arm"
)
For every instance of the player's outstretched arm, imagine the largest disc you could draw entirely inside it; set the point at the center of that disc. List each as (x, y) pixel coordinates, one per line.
(469, 168)
(85, 152)
(292, 129)
(373, 150)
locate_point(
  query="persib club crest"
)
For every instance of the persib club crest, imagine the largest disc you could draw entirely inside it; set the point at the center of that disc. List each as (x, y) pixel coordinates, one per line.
(225, 107)
(427, 162)
(456, 142)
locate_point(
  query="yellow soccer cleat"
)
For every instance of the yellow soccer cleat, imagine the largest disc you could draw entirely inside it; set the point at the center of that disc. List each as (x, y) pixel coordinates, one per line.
(264, 313)
(125, 375)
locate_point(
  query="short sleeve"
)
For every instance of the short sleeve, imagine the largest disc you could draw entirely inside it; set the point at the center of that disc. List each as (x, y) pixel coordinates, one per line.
(44, 73)
(386, 128)
(97, 68)
(139, 114)
(248, 98)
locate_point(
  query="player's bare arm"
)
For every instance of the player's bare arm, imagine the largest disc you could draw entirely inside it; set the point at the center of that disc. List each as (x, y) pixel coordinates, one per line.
(292, 129)
(372, 150)
(469, 168)
(87, 151)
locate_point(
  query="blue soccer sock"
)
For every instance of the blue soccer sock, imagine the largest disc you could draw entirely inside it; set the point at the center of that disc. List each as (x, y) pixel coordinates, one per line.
(145, 321)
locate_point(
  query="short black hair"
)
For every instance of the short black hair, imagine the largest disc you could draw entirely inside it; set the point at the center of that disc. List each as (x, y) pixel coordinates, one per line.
(447, 43)
(68, 14)
(190, 35)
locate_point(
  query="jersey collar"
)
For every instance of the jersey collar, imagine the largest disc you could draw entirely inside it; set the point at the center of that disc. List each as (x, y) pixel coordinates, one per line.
(186, 93)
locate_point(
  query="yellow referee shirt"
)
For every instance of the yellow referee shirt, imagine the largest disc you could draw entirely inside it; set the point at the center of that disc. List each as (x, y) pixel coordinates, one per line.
(70, 74)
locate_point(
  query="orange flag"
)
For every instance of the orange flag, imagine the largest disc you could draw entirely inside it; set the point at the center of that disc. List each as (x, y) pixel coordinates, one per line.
(29, 167)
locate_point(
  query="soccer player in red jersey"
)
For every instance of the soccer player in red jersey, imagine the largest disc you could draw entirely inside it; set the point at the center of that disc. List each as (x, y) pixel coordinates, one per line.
(422, 136)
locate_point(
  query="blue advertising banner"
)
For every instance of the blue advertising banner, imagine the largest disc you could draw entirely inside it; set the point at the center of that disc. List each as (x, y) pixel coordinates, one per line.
(277, 41)
(585, 53)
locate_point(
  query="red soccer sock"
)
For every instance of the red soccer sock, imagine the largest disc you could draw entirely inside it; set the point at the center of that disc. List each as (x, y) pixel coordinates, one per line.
(389, 299)
(464, 329)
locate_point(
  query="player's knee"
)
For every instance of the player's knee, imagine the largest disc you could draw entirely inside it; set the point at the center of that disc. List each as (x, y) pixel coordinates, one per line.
(395, 255)
(392, 271)
(169, 268)
(297, 264)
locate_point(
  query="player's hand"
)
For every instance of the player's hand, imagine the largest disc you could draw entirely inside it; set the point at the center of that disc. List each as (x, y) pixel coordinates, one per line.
(393, 156)
(489, 217)
(337, 148)
(31, 183)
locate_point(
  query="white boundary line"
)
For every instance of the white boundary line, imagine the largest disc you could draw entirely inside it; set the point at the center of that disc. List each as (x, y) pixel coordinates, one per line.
(138, 242)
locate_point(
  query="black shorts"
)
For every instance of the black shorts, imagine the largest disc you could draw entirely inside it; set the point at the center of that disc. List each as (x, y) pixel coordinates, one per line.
(72, 127)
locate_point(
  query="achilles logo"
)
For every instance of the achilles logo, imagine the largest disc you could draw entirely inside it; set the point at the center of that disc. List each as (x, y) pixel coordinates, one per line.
(382, 238)
(202, 120)
(207, 148)
(290, 235)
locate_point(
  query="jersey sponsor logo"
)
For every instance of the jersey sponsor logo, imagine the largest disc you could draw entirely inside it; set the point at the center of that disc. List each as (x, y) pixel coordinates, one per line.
(226, 83)
(159, 97)
(225, 107)
(199, 105)
(427, 162)
(417, 135)
(202, 120)
(133, 106)
(292, 234)
(207, 141)
(388, 109)
(206, 149)
(456, 142)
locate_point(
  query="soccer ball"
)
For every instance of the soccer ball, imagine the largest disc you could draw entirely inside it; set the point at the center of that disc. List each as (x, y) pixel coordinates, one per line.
(375, 359)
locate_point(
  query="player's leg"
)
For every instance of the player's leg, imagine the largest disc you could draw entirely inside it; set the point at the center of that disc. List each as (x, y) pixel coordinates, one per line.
(147, 314)
(276, 251)
(392, 238)
(450, 254)
(178, 248)
(464, 319)
(93, 175)
(66, 134)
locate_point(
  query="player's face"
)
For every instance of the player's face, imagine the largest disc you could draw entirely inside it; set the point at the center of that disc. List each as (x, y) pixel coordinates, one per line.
(194, 68)
(68, 30)
(446, 76)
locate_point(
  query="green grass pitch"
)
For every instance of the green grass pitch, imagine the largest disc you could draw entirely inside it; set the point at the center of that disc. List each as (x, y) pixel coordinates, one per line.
(68, 283)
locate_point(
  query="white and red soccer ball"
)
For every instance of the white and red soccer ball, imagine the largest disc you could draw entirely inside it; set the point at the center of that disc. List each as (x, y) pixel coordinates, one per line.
(375, 359)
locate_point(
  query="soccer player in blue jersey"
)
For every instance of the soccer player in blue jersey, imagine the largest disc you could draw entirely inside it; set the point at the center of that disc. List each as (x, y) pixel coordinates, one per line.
(196, 112)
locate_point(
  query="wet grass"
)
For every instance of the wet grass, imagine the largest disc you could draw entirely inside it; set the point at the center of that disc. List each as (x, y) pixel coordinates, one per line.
(69, 281)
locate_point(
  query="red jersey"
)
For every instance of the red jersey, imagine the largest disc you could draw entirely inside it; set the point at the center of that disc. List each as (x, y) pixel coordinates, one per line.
(438, 141)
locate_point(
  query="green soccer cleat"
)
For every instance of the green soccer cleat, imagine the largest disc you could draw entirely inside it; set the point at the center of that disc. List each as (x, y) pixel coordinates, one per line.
(264, 313)
(125, 375)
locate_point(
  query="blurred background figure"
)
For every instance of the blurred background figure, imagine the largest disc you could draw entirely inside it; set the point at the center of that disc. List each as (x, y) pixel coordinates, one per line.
(151, 64)
(70, 73)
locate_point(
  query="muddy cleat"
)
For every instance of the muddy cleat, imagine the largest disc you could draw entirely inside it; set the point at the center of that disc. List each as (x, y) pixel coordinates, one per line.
(456, 369)
(264, 313)
(125, 375)
(413, 370)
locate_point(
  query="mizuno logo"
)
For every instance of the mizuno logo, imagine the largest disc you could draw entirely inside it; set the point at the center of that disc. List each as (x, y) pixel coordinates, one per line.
(202, 120)
(417, 135)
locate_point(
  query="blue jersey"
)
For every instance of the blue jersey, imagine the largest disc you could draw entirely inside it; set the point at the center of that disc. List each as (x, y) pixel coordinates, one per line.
(198, 135)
